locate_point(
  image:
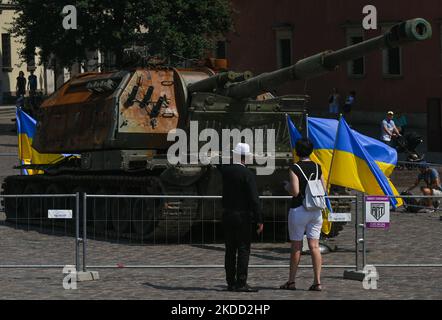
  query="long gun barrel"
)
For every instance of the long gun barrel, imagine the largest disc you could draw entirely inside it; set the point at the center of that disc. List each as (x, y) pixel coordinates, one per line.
(218, 81)
(403, 33)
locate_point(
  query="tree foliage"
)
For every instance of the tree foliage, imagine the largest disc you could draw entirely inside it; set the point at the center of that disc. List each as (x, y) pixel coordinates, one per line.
(172, 28)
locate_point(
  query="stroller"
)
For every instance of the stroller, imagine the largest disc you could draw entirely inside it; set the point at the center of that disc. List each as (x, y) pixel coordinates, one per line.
(407, 144)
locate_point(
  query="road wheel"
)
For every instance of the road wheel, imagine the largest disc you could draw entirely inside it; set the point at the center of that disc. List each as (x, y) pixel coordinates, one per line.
(146, 212)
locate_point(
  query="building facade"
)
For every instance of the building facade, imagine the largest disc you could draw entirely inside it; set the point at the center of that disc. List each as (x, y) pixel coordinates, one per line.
(49, 78)
(11, 63)
(270, 35)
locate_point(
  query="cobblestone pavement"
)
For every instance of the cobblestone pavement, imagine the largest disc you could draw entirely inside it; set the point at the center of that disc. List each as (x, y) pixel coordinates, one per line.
(412, 238)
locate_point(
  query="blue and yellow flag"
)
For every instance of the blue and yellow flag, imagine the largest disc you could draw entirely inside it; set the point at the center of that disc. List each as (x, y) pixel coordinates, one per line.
(322, 132)
(354, 167)
(26, 127)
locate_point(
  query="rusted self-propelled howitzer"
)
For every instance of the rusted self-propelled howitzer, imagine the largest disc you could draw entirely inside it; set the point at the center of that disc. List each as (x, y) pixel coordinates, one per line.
(118, 122)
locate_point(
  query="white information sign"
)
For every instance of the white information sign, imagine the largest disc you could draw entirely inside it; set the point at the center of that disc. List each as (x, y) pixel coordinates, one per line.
(339, 217)
(60, 214)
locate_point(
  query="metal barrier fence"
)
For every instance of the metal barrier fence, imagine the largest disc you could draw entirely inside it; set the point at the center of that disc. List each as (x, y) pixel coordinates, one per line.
(415, 164)
(146, 220)
(407, 252)
(122, 219)
(157, 219)
(29, 213)
(199, 223)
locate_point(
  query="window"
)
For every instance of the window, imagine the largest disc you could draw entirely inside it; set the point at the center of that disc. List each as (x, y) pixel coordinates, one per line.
(285, 52)
(355, 68)
(391, 60)
(284, 47)
(6, 51)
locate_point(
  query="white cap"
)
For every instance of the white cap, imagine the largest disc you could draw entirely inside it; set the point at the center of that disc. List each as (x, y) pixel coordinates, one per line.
(242, 149)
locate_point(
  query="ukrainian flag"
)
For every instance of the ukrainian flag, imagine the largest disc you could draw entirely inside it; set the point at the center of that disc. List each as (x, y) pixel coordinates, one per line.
(322, 132)
(354, 167)
(26, 127)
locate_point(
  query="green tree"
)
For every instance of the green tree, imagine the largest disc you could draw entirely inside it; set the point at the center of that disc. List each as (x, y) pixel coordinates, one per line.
(166, 28)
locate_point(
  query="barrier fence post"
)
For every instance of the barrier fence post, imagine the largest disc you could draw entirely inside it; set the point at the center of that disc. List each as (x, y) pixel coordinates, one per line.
(84, 230)
(364, 226)
(356, 234)
(77, 232)
(357, 274)
(84, 275)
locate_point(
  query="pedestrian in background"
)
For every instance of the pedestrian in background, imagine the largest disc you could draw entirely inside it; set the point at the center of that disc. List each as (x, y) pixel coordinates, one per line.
(334, 103)
(348, 106)
(21, 85)
(400, 120)
(32, 87)
(241, 212)
(32, 83)
(301, 221)
(389, 130)
(432, 187)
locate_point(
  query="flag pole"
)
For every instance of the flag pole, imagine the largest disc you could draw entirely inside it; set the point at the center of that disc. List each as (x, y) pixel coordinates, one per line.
(333, 155)
(292, 147)
(288, 129)
(20, 144)
(306, 125)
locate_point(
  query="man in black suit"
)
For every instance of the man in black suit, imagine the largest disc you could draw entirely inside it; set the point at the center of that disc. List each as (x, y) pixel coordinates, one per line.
(242, 210)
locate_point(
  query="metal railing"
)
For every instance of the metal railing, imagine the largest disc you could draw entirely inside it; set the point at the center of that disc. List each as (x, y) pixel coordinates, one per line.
(117, 216)
(30, 215)
(403, 264)
(180, 214)
(209, 210)
(27, 212)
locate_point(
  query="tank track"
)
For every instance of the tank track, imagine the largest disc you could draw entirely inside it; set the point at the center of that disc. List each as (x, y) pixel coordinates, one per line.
(141, 220)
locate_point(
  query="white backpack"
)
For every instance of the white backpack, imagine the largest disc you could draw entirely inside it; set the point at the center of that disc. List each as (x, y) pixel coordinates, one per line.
(314, 198)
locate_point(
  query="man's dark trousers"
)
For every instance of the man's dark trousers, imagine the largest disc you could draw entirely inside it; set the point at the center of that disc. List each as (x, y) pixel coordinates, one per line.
(237, 235)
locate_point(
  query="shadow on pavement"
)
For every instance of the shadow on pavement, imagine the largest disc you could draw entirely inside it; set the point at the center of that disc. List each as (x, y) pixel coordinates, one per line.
(252, 253)
(174, 288)
(220, 248)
